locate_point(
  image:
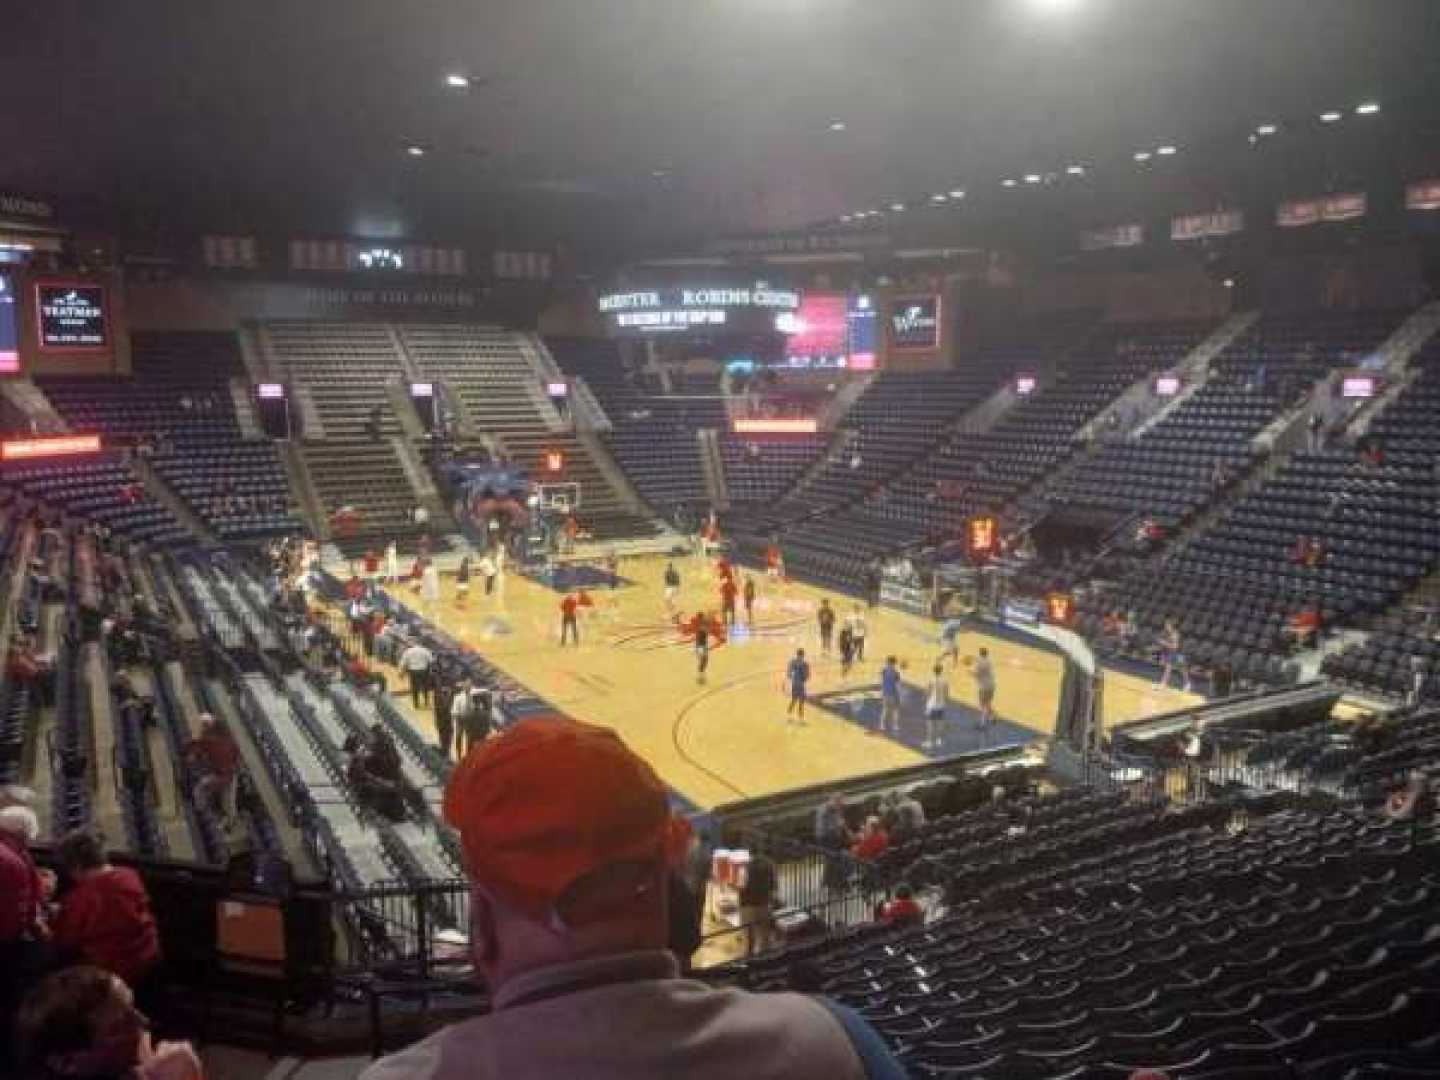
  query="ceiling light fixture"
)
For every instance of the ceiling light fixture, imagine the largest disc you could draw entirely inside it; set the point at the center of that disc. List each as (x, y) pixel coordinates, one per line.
(1367, 108)
(457, 81)
(1329, 117)
(1142, 155)
(939, 197)
(1267, 129)
(415, 150)
(1032, 178)
(1008, 182)
(837, 125)
(1075, 170)
(897, 206)
(1166, 151)
(957, 193)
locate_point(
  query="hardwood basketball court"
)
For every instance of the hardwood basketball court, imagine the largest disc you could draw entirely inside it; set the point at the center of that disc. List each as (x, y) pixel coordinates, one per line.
(727, 738)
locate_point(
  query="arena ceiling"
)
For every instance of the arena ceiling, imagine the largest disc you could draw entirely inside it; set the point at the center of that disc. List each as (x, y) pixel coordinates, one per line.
(645, 123)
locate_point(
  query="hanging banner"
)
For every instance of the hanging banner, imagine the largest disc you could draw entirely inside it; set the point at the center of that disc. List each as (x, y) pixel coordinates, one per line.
(1346, 207)
(1423, 195)
(1117, 236)
(1199, 226)
(1297, 213)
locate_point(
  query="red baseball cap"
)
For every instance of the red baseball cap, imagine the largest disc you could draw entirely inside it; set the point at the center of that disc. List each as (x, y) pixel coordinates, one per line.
(549, 801)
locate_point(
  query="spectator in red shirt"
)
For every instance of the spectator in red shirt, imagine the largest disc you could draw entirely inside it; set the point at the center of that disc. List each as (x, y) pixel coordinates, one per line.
(903, 910)
(24, 952)
(105, 919)
(354, 588)
(372, 564)
(217, 758)
(873, 840)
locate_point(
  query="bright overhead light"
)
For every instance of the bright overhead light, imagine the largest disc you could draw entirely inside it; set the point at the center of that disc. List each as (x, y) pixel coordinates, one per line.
(415, 150)
(457, 81)
(897, 206)
(1075, 170)
(837, 125)
(957, 193)
(1329, 117)
(1008, 182)
(845, 218)
(1368, 108)
(1142, 155)
(939, 197)
(1229, 283)
(1266, 129)
(1166, 151)
(1032, 178)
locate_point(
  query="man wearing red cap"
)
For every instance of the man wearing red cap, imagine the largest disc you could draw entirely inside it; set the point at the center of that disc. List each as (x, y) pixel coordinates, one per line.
(566, 835)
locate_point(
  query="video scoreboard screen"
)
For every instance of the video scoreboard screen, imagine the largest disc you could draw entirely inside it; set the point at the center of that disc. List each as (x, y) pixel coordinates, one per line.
(72, 317)
(9, 326)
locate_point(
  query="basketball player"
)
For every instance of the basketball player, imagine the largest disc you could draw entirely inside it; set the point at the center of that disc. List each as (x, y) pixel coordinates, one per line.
(826, 618)
(749, 595)
(672, 586)
(1172, 656)
(774, 564)
(856, 622)
(569, 624)
(984, 672)
(702, 645)
(727, 600)
(936, 704)
(462, 582)
(889, 695)
(797, 674)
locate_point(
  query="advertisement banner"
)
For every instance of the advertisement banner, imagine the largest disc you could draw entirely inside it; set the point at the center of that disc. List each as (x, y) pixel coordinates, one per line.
(9, 326)
(1117, 236)
(915, 323)
(1423, 195)
(72, 316)
(1199, 226)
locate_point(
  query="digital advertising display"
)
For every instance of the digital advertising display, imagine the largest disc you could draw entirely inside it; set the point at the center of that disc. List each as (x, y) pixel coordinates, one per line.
(72, 317)
(915, 323)
(1358, 386)
(9, 327)
(742, 308)
(1167, 385)
(820, 329)
(863, 332)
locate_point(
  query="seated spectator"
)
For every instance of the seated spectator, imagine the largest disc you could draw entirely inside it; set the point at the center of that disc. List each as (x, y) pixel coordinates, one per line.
(564, 832)
(873, 842)
(904, 817)
(105, 918)
(1304, 626)
(82, 1023)
(366, 775)
(1414, 802)
(903, 910)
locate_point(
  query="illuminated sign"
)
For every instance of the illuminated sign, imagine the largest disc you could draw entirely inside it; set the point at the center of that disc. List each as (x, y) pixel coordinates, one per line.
(1423, 195)
(379, 258)
(558, 389)
(820, 328)
(71, 317)
(1199, 226)
(554, 461)
(9, 327)
(270, 390)
(55, 446)
(1167, 385)
(1358, 386)
(982, 536)
(1301, 212)
(422, 389)
(1024, 384)
(1060, 608)
(794, 426)
(915, 323)
(760, 296)
(668, 320)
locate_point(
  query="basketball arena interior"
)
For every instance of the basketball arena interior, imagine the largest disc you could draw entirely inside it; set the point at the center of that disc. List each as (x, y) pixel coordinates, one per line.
(982, 462)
